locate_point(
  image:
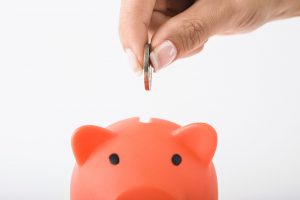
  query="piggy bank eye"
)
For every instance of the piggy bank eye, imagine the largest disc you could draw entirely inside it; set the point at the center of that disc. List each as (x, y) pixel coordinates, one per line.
(114, 159)
(176, 159)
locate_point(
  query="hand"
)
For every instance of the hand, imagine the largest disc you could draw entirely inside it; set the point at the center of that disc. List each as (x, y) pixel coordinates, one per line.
(180, 28)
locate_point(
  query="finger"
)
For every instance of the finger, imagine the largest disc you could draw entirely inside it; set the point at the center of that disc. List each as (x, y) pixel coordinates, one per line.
(135, 16)
(185, 33)
(164, 10)
(161, 5)
(158, 18)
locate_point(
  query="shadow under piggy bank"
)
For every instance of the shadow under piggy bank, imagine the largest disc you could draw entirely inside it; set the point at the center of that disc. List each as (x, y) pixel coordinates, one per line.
(132, 160)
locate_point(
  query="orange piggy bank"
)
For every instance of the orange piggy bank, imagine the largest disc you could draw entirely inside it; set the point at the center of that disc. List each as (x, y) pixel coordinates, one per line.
(132, 160)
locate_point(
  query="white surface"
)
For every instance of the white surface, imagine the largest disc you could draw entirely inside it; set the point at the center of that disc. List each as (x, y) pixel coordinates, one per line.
(61, 66)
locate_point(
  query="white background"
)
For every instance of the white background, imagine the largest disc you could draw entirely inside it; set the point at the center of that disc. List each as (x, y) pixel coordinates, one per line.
(62, 66)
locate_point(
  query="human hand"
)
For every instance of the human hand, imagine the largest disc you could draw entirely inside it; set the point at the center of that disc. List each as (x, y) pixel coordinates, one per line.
(180, 28)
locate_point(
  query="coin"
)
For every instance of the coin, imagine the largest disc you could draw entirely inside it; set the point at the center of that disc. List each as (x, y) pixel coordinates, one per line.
(147, 68)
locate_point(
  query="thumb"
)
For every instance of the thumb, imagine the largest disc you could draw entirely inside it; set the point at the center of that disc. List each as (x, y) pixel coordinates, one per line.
(182, 35)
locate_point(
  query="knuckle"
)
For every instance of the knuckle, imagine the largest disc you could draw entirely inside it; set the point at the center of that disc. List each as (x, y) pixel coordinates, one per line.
(193, 34)
(246, 15)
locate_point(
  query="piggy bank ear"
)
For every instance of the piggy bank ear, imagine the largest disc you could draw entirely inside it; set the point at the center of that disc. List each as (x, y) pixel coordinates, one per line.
(86, 139)
(200, 138)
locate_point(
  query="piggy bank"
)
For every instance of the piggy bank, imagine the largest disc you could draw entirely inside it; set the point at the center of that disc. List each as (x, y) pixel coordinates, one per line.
(132, 160)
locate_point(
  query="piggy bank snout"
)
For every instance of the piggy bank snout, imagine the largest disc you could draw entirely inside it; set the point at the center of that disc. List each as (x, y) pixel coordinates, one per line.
(145, 194)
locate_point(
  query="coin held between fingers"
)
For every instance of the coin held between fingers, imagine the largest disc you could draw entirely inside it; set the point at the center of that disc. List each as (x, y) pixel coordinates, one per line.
(147, 68)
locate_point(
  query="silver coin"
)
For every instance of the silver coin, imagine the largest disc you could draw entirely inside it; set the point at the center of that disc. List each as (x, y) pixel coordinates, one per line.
(147, 68)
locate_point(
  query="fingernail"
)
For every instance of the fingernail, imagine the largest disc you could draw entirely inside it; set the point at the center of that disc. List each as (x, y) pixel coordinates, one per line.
(163, 55)
(133, 62)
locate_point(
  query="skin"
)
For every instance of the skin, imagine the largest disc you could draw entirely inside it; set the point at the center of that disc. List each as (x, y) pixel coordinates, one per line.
(188, 24)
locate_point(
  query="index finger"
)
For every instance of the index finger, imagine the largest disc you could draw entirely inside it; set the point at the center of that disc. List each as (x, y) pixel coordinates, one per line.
(135, 17)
